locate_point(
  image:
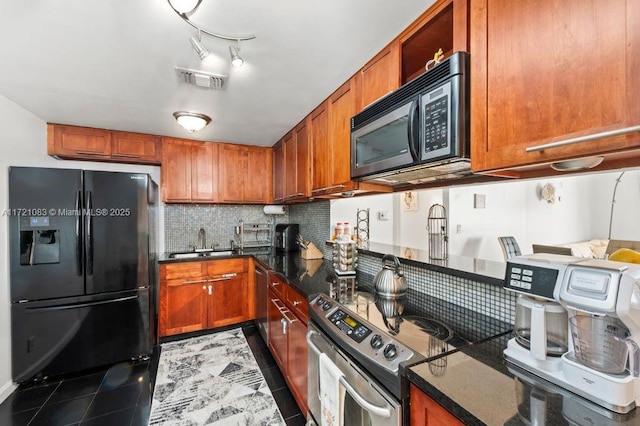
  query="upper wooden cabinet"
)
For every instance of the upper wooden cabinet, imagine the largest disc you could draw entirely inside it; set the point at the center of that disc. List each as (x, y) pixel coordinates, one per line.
(549, 72)
(189, 171)
(245, 174)
(136, 147)
(278, 172)
(443, 26)
(291, 165)
(379, 76)
(331, 140)
(82, 143)
(85, 143)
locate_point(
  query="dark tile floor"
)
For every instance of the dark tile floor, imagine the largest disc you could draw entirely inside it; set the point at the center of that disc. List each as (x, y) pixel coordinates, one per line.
(121, 394)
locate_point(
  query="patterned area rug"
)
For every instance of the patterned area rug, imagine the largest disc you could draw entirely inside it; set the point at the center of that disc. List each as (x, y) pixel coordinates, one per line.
(212, 380)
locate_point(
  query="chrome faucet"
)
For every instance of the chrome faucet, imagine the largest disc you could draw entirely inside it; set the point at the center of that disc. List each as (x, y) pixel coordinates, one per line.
(202, 239)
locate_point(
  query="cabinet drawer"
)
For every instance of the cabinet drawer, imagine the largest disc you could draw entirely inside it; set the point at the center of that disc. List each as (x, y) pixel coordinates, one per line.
(219, 267)
(191, 270)
(298, 304)
(277, 285)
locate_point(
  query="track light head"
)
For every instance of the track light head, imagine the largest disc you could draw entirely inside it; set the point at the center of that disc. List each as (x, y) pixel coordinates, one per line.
(236, 59)
(199, 48)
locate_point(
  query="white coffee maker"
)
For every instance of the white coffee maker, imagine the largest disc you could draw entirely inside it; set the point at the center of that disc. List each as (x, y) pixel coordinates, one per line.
(541, 324)
(602, 299)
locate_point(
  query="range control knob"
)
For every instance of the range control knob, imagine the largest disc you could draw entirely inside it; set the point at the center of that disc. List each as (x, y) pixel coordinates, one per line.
(326, 306)
(376, 341)
(390, 351)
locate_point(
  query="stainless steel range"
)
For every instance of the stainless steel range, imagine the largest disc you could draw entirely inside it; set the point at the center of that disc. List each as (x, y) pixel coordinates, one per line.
(371, 339)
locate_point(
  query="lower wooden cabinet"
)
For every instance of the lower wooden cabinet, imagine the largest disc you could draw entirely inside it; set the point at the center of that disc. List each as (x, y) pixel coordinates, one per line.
(287, 342)
(200, 295)
(425, 411)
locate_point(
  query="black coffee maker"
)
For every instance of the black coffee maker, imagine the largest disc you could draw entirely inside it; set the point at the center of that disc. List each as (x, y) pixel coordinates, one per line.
(286, 237)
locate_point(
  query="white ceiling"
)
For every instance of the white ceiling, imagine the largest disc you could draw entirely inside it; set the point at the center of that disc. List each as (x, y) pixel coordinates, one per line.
(110, 63)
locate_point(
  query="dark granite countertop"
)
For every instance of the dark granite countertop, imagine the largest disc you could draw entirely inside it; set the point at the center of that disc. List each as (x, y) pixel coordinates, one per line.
(473, 383)
(487, 271)
(477, 387)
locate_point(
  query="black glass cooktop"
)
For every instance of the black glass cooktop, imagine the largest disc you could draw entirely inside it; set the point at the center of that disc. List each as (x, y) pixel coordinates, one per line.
(429, 332)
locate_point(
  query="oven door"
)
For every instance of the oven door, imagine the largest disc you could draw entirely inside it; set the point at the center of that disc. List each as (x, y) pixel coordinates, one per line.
(389, 142)
(365, 402)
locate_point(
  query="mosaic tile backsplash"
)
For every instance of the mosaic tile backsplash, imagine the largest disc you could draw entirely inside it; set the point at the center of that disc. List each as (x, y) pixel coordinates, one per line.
(486, 299)
(182, 223)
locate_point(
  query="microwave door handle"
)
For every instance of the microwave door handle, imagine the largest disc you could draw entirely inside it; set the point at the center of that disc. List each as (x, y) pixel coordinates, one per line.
(412, 125)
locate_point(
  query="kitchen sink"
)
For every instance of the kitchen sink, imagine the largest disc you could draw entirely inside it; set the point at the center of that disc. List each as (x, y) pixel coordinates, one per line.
(199, 254)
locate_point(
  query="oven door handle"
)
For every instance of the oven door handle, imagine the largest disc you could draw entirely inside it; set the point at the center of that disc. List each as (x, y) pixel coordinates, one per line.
(368, 406)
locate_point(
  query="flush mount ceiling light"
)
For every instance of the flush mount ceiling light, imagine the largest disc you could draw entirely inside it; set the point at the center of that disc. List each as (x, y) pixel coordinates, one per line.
(192, 121)
(236, 59)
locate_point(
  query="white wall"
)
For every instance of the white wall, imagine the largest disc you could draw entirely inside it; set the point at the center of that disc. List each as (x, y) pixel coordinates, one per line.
(23, 142)
(580, 212)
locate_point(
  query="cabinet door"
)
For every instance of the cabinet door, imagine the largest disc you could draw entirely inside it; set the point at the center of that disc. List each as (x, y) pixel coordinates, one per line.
(290, 165)
(175, 174)
(204, 172)
(278, 172)
(297, 361)
(322, 162)
(136, 148)
(277, 337)
(425, 411)
(79, 142)
(233, 167)
(342, 106)
(228, 303)
(550, 71)
(380, 75)
(303, 152)
(183, 306)
(258, 176)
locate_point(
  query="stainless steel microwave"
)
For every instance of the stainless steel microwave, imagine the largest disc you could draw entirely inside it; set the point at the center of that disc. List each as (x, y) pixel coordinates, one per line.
(417, 133)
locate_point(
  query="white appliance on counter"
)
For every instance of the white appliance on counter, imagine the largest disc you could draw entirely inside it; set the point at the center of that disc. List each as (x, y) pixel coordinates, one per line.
(601, 304)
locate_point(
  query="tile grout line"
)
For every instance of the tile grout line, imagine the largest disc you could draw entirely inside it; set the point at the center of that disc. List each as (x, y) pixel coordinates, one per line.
(45, 401)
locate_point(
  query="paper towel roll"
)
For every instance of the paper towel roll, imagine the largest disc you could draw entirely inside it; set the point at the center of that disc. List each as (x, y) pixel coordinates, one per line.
(270, 209)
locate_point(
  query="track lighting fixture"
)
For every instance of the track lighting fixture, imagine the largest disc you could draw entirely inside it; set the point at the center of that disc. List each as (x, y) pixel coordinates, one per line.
(185, 8)
(192, 121)
(236, 59)
(198, 47)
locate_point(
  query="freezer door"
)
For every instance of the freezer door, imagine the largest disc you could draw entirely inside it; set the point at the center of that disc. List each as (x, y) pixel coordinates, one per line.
(45, 233)
(62, 336)
(116, 231)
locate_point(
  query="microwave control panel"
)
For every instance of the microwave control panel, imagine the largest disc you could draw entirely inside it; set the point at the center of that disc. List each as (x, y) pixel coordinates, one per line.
(437, 122)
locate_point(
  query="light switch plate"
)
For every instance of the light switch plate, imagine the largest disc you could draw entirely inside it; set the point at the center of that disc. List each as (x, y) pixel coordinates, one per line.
(479, 201)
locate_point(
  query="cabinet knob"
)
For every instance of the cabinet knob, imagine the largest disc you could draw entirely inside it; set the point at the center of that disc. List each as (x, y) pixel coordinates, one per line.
(297, 302)
(204, 287)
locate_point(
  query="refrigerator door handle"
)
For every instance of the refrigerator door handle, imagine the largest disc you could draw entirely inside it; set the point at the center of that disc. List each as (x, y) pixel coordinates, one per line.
(79, 233)
(82, 305)
(89, 231)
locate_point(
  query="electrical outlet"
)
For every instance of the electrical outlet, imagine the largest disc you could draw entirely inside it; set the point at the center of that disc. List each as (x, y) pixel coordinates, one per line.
(458, 229)
(383, 215)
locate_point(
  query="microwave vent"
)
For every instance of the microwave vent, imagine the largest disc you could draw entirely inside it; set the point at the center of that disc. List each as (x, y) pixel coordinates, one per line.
(203, 79)
(436, 74)
(423, 174)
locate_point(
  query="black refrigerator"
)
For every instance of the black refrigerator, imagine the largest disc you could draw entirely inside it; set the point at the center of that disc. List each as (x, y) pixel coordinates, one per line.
(83, 269)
